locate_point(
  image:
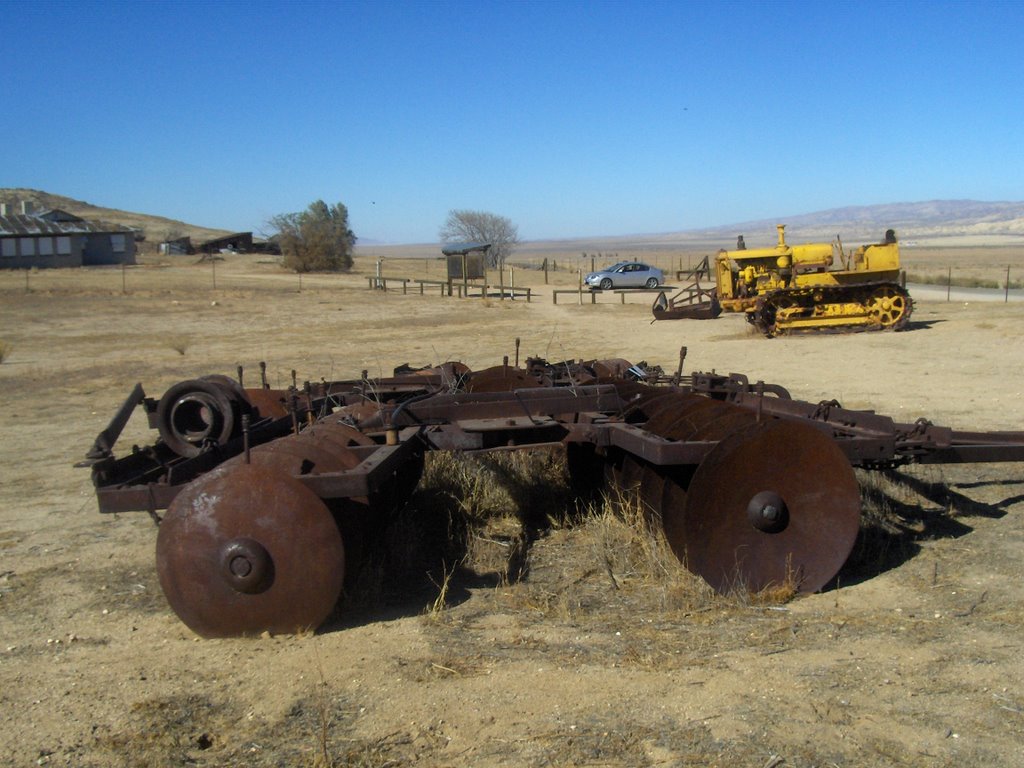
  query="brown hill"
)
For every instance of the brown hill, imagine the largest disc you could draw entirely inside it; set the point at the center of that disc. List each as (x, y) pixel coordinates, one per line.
(935, 223)
(155, 228)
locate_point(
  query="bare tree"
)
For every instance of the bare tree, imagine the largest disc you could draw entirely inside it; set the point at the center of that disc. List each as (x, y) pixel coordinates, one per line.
(482, 227)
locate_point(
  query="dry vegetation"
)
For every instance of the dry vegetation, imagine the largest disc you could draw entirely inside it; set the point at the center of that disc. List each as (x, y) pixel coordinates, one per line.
(499, 621)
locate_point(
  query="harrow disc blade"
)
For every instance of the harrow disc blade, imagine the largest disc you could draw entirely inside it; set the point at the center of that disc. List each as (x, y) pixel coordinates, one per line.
(244, 550)
(772, 503)
(500, 378)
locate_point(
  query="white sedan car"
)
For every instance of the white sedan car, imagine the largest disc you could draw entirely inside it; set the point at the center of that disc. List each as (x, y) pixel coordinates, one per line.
(626, 274)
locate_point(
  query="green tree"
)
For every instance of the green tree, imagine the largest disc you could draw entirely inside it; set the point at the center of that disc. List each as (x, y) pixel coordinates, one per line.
(463, 226)
(317, 239)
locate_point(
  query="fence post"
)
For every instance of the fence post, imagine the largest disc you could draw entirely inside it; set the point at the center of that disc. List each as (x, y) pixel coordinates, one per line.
(949, 282)
(1006, 296)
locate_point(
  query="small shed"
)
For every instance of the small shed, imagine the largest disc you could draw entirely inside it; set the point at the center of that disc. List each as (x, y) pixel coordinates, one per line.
(466, 261)
(238, 241)
(177, 246)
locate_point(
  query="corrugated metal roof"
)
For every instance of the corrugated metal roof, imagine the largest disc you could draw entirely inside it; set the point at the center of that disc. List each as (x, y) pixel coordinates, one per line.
(20, 224)
(460, 249)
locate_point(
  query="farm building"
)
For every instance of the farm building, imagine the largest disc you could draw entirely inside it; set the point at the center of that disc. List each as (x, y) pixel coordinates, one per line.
(239, 241)
(59, 239)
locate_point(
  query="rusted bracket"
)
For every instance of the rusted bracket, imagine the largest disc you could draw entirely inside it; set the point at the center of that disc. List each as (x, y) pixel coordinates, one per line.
(103, 446)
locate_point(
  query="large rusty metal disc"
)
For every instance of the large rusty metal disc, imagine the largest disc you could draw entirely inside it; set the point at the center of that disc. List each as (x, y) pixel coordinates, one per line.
(339, 433)
(772, 502)
(245, 549)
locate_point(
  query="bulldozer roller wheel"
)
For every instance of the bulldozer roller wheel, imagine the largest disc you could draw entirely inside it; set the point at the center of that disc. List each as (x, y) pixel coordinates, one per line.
(889, 307)
(245, 550)
(773, 503)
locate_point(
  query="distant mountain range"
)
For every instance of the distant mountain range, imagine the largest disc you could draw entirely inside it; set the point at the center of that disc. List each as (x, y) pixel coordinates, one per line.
(932, 220)
(932, 223)
(936, 223)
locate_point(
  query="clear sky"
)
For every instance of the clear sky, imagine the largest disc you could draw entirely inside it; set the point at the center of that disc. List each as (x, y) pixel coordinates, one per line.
(570, 118)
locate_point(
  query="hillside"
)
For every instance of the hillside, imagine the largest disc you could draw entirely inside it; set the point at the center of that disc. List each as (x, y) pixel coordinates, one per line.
(935, 223)
(157, 228)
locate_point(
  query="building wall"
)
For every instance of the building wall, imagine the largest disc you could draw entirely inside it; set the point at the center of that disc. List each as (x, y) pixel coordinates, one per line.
(28, 251)
(108, 248)
(68, 250)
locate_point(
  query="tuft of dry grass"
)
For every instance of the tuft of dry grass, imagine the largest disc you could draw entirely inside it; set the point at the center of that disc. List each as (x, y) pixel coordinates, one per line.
(179, 343)
(634, 555)
(5, 350)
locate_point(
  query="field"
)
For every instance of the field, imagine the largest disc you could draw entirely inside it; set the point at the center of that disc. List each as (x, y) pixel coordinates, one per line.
(593, 648)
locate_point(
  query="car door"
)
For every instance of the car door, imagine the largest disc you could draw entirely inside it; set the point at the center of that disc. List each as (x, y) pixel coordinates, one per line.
(634, 276)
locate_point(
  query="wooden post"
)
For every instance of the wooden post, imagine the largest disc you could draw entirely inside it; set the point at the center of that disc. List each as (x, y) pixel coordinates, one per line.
(213, 263)
(501, 281)
(581, 286)
(949, 282)
(1006, 296)
(124, 278)
(545, 270)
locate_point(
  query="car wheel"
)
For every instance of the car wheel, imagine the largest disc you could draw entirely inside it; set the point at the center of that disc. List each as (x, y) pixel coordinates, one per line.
(606, 284)
(652, 282)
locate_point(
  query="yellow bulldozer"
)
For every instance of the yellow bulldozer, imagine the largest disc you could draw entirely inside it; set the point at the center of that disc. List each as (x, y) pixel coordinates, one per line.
(794, 288)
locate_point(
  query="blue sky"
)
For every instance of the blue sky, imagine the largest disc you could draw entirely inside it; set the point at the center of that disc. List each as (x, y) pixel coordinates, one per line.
(571, 118)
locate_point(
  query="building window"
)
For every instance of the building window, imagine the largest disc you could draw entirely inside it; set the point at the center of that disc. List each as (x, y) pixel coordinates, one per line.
(28, 246)
(64, 246)
(117, 243)
(10, 247)
(45, 246)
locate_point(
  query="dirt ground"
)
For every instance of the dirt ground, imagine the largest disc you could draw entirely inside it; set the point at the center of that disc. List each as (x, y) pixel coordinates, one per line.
(590, 659)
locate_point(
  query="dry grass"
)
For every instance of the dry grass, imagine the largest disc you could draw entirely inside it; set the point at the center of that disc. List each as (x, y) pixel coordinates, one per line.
(5, 350)
(179, 343)
(962, 281)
